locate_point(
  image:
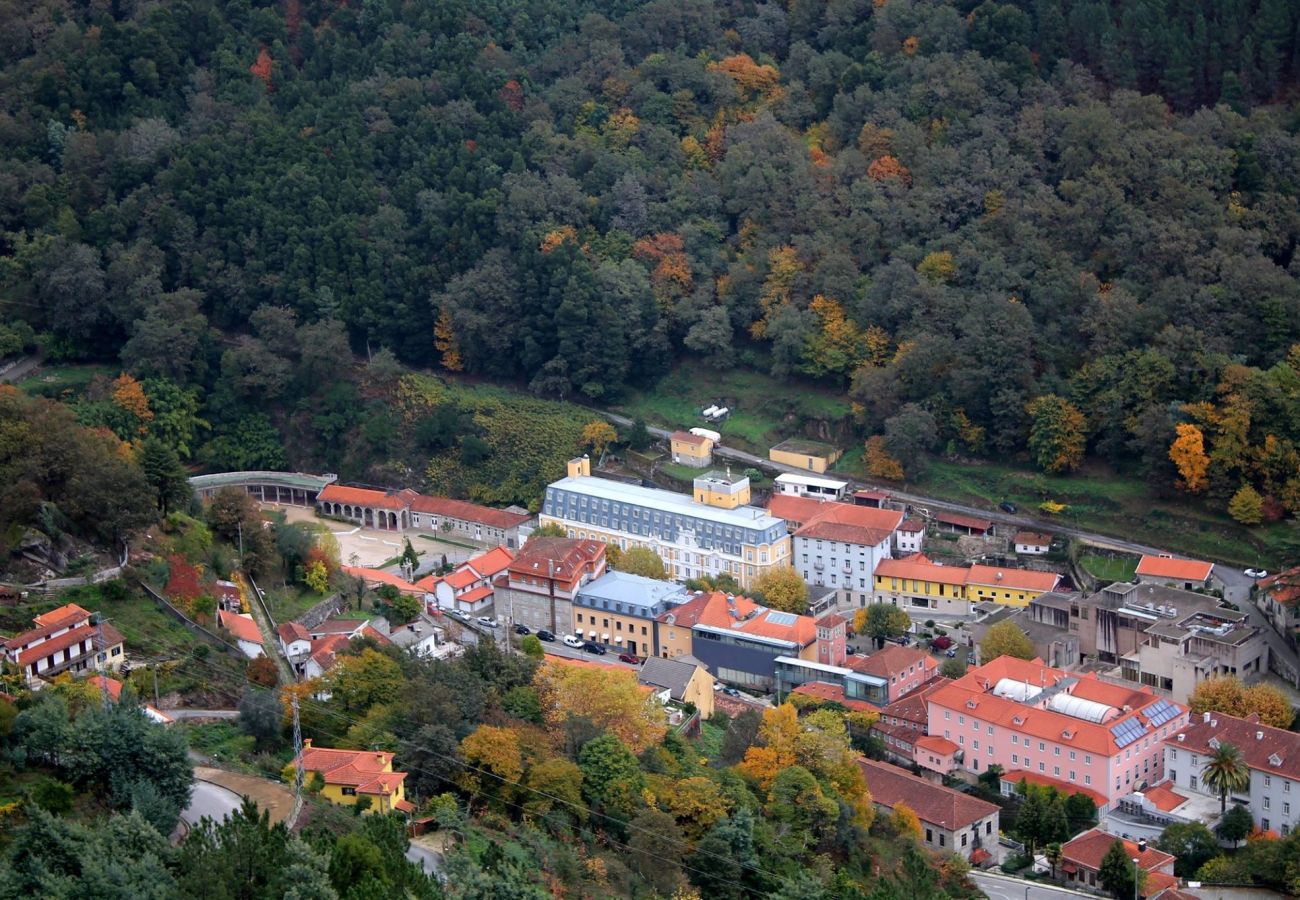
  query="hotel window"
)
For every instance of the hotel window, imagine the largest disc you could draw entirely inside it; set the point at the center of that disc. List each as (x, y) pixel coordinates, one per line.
(1042, 747)
(1042, 767)
(1015, 739)
(961, 720)
(1072, 756)
(1087, 759)
(1072, 778)
(1087, 779)
(1266, 803)
(1015, 759)
(1056, 770)
(990, 731)
(1056, 751)
(1268, 781)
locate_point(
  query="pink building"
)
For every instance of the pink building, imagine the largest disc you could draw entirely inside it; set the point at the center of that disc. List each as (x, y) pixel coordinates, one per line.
(831, 639)
(1073, 732)
(904, 668)
(936, 754)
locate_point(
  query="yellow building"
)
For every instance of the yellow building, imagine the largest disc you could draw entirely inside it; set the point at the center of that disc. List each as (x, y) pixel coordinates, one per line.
(803, 454)
(1010, 587)
(620, 610)
(694, 450)
(685, 682)
(916, 583)
(724, 491)
(694, 539)
(352, 774)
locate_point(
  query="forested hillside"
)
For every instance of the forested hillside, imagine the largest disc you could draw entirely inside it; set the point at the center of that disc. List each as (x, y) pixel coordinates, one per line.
(966, 217)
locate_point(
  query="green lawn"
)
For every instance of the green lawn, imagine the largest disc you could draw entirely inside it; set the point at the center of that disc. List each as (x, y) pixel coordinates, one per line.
(764, 410)
(288, 603)
(1109, 568)
(55, 381)
(709, 742)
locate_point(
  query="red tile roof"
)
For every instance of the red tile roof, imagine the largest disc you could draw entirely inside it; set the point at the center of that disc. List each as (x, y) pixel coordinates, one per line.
(871, 495)
(1088, 849)
(346, 627)
(759, 621)
(292, 631)
(113, 686)
(242, 627)
(1033, 538)
(1015, 579)
(1158, 883)
(1174, 569)
(373, 577)
(479, 593)
(892, 660)
(337, 493)
(851, 524)
(468, 512)
(971, 522)
(913, 707)
(1284, 587)
(685, 437)
(686, 615)
(1263, 747)
(918, 567)
(362, 769)
(1163, 797)
(54, 616)
(1062, 787)
(555, 557)
(67, 620)
(795, 509)
(938, 805)
(936, 744)
(912, 526)
(824, 690)
(494, 562)
(46, 649)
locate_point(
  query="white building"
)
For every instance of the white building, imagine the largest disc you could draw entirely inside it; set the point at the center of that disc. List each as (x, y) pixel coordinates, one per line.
(840, 545)
(248, 637)
(909, 538)
(1032, 543)
(810, 486)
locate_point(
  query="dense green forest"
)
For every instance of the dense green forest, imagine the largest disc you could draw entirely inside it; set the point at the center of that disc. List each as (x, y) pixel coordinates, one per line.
(1046, 227)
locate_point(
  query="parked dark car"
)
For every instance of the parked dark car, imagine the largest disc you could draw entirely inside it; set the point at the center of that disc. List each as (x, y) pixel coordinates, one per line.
(522, 629)
(850, 651)
(1008, 507)
(731, 692)
(593, 647)
(629, 658)
(941, 643)
(545, 635)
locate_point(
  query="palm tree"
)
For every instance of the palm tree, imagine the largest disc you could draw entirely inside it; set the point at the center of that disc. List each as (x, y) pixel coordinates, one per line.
(1226, 771)
(1053, 853)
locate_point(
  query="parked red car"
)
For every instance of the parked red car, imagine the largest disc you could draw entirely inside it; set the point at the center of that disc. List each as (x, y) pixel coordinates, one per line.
(629, 658)
(941, 643)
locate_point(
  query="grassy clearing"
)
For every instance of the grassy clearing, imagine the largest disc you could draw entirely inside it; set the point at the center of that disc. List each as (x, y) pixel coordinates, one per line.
(57, 382)
(1105, 502)
(764, 410)
(709, 742)
(288, 603)
(220, 740)
(1109, 568)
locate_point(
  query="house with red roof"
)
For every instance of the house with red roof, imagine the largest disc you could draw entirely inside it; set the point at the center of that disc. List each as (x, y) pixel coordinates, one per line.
(910, 537)
(905, 720)
(113, 688)
(1278, 598)
(839, 545)
(66, 639)
(537, 588)
(694, 450)
(951, 821)
(1072, 731)
(295, 641)
(1187, 574)
(919, 584)
(904, 669)
(1081, 861)
(350, 775)
(1032, 543)
(470, 587)
(674, 626)
(248, 637)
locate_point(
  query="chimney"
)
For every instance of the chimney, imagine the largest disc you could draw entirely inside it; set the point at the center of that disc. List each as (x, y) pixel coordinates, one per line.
(1259, 735)
(379, 757)
(306, 743)
(1205, 717)
(1142, 845)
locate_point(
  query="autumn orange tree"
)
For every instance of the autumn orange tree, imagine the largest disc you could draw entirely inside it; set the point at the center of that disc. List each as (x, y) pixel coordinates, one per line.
(753, 82)
(494, 763)
(598, 435)
(1228, 694)
(129, 397)
(444, 341)
(608, 696)
(878, 461)
(783, 268)
(838, 346)
(1188, 453)
(1058, 433)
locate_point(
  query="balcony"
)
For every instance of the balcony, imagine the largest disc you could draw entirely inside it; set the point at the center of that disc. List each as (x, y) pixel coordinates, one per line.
(819, 566)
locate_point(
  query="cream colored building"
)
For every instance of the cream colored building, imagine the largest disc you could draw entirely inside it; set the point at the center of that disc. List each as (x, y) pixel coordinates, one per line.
(708, 534)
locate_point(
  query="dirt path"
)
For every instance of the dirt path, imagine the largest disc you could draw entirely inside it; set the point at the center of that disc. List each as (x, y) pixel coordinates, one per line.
(275, 798)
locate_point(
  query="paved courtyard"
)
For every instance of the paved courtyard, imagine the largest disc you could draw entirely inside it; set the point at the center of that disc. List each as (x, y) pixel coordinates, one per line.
(371, 547)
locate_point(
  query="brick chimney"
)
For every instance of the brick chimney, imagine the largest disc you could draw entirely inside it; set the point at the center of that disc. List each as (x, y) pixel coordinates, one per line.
(306, 743)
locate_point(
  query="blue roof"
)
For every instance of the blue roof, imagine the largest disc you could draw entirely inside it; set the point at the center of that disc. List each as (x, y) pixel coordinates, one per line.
(634, 590)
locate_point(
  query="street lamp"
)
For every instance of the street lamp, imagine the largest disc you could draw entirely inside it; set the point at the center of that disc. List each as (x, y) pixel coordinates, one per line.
(1137, 876)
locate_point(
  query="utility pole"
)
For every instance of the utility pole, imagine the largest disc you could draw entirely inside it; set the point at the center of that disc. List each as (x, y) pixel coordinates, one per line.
(101, 659)
(240, 527)
(297, 749)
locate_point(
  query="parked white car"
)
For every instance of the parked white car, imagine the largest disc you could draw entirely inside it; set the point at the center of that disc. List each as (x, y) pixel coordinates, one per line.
(574, 642)
(1257, 573)
(488, 621)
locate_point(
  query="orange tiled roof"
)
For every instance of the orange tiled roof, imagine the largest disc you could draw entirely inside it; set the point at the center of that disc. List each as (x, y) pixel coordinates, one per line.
(912, 707)
(824, 690)
(476, 594)
(556, 557)
(942, 806)
(242, 627)
(685, 437)
(112, 685)
(1034, 538)
(936, 744)
(1259, 744)
(1163, 797)
(688, 613)
(337, 493)
(795, 509)
(292, 631)
(1284, 587)
(468, 512)
(379, 576)
(892, 660)
(918, 567)
(66, 620)
(1088, 849)
(54, 616)
(912, 526)
(46, 649)
(971, 522)
(1015, 579)
(851, 524)
(752, 619)
(362, 769)
(1175, 569)
(494, 562)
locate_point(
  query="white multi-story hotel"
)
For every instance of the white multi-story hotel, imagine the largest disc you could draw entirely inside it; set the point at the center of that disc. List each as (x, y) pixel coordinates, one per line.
(713, 532)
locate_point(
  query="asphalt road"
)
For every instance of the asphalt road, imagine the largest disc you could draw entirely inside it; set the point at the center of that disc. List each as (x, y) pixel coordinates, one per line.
(1000, 888)
(211, 801)
(203, 713)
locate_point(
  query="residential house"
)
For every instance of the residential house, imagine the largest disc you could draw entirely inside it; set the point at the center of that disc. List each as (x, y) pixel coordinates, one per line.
(674, 626)
(877, 499)
(904, 669)
(839, 545)
(1032, 543)
(295, 641)
(685, 681)
(620, 610)
(248, 637)
(470, 587)
(804, 454)
(1008, 586)
(113, 688)
(1081, 861)
(693, 538)
(1071, 731)
(792, 485)
(228, 596)
(350, 775)
(740, 641)
(694, 450)
(1271, 754)
(721, 489)
(1277, 598)
(66, 639)
(905, 720)
(1187, 574)
(951, 821)
(963, 524)
(399, 510)
(910, 537)
(422, 636)
(794, 510)
(345, 628)
(915, 583)
(324, 653)
(538, 587)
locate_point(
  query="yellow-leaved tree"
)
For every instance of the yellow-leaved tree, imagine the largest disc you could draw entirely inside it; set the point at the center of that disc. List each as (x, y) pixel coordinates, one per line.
(444, 341)
(1187, 452)
(782, 588)
(609, 697)
(905, 822)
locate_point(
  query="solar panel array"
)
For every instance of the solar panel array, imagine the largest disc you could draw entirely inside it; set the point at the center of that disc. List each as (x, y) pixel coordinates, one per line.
(1161, 712)
(782, 618)
(1127, 732)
